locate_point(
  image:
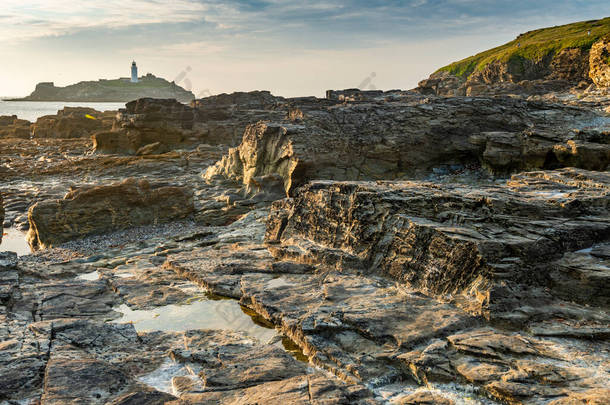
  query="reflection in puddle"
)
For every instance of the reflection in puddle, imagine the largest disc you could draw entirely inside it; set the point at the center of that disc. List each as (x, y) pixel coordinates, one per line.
(94, 275)
(161, 378)
(294, 349)
(201, 314)
(553, 194)
(278, 283)
(13, 240)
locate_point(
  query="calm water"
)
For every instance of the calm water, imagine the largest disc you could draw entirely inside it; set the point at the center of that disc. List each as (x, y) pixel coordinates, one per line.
(200, 314)
(31, 110)
(13, 240)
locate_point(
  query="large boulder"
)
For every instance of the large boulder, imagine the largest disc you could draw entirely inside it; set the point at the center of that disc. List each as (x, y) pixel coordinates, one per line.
(599, 63)
(386, 139)
(73, 122)
(13, 127)
(98, 209)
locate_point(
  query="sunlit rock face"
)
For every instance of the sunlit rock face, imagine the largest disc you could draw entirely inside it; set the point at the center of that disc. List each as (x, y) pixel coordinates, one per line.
(599, 62)
(487, 244)
(100, 209)
(1, 214)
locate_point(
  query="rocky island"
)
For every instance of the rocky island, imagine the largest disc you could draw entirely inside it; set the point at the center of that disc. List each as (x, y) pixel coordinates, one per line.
(121, 90)
(448, 244)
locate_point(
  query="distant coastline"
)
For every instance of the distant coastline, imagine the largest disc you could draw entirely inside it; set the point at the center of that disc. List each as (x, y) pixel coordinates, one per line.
(102, 90)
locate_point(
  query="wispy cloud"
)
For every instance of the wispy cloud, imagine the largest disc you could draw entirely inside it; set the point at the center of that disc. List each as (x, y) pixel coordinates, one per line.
(342, 19)
(37, 18)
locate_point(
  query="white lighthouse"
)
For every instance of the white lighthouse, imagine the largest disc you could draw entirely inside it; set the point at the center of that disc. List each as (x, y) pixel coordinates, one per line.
(134, 72)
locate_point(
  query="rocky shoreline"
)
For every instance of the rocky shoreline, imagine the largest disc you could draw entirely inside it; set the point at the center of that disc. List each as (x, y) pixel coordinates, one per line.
(369, 247)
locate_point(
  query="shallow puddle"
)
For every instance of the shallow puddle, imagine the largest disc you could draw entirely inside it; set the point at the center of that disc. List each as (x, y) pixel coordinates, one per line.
(13, 240)
(553, 194)
(279, 283)
(201, 314)
(94, 275)
(161, 378)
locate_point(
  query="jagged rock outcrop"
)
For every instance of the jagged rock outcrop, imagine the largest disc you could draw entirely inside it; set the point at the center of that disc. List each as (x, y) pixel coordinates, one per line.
(98, 209)
(599, 62)
(496, 247)
(394, 139)
(72, 122)
(1, 215)
(442, 83)
(13, 127)
(364, 326)
(213, 120)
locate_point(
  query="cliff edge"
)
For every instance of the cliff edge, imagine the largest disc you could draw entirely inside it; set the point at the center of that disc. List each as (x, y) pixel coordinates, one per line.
(546, 60)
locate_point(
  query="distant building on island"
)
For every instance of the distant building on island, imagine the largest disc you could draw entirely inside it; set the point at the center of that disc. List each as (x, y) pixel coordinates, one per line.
(122, 89)
(134, 72)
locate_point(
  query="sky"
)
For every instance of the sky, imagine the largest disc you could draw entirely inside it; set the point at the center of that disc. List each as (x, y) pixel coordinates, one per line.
(290, 47)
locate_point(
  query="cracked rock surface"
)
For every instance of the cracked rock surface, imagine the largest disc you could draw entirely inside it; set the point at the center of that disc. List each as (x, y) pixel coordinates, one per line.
(373, 247)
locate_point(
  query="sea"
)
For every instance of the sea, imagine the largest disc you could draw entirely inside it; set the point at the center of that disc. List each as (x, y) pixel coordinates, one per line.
(32, 110)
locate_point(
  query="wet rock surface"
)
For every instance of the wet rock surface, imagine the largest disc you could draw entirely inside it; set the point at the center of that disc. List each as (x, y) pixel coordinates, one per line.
(64, 340)
(407, 265)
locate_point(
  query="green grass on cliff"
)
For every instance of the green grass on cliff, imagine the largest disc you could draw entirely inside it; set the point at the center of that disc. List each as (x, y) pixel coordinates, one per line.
(122, 83)
(535, 45)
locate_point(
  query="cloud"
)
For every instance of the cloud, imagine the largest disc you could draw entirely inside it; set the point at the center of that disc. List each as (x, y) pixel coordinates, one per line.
(24, 19)
(39, 18)
(311, 24)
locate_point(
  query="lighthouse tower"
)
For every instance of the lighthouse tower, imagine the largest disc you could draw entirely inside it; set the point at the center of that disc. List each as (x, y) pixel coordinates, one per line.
(134, 72)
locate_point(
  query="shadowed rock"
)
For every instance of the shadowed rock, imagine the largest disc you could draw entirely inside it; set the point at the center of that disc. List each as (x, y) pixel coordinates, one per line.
(13, 127)
(213, 120)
